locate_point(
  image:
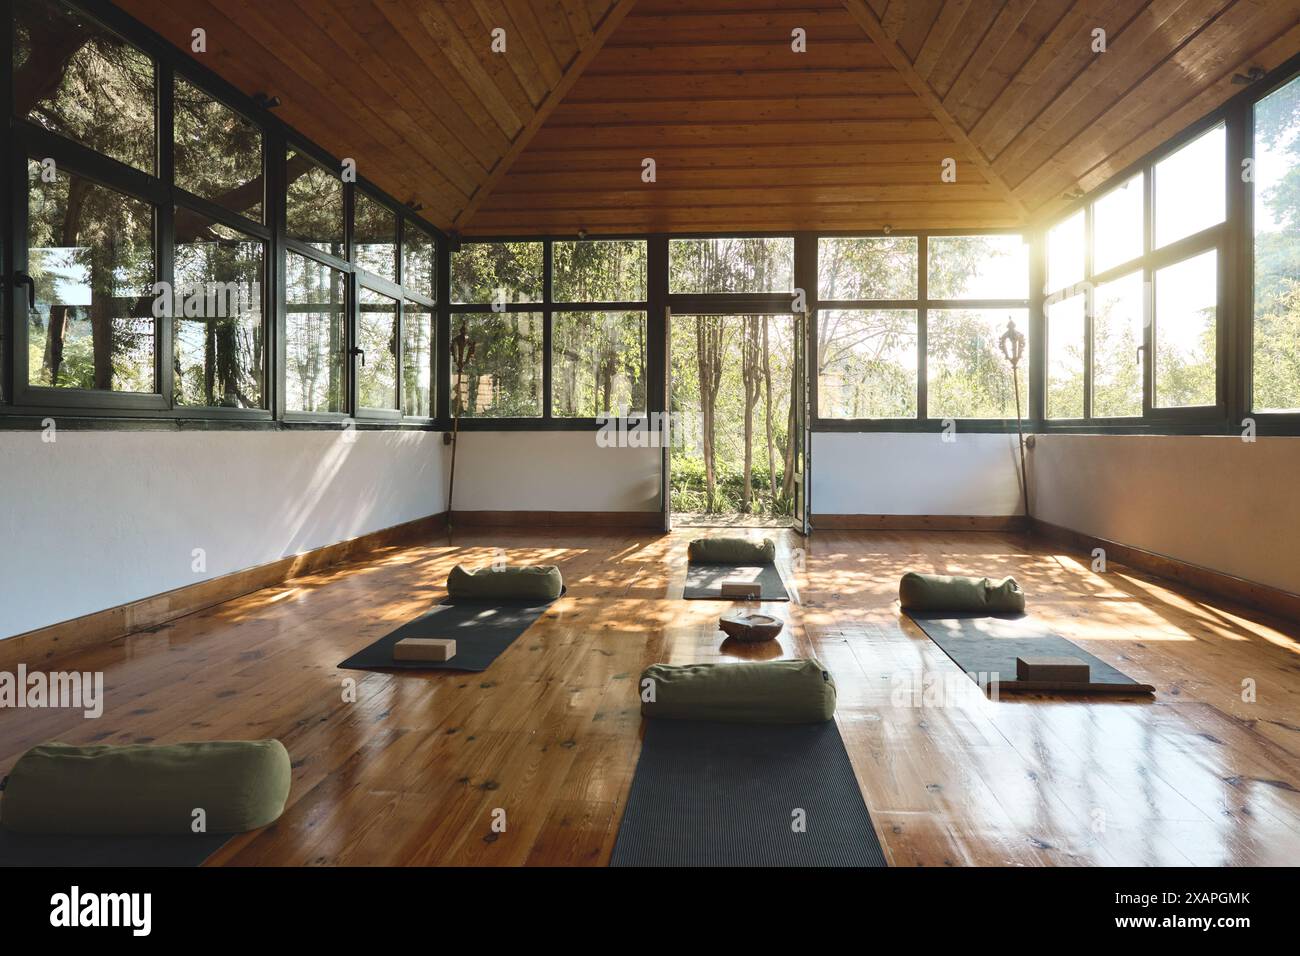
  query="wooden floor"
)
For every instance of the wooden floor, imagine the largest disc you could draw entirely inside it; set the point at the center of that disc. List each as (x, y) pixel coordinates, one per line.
(412, 771)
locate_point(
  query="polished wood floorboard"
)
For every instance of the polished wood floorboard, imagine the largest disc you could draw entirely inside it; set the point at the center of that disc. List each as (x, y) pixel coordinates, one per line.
(412, 771)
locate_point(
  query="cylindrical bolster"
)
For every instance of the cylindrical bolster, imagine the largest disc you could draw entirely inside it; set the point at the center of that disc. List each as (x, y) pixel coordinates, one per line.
(534, 582)
(940, 592)
(752, 692)
(143, 789)
(723, 550)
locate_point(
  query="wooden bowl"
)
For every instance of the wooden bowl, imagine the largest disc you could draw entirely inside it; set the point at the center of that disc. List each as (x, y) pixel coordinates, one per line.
(750, 627)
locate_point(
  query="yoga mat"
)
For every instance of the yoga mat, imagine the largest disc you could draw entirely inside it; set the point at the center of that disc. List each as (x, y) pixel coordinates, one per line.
(714, 794)
(988, 646)
(704, 581)
(481, 631)
(182, 849)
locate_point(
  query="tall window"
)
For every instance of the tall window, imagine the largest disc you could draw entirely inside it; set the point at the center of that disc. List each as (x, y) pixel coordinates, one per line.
(314, 212)
(218, 153)
(315, 336)
(1132, 312)
(1275, 339)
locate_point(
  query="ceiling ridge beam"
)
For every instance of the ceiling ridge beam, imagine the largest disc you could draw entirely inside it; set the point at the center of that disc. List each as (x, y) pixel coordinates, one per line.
(545, 108)
(875, 31)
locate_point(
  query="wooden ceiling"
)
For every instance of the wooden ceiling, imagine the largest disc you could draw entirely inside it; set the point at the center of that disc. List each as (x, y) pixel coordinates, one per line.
(745, 132)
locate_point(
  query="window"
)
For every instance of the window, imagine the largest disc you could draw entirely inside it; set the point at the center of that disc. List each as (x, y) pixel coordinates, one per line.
(101, 93)
(315, 336)
(418, 257)
(967, 374)
(1065, 244)
(599, 364)
(219, 336)
(1186, 332)
(1275, 349)
(218, 153)
(503, 379)
(882, 267)
(1189, 188)
(1066, 335)
(866, 363)
(377, 340)
(314, 204)
(1116, 347)
(497, 272)
(599, 271)
(701, 266)
(90, 252)
(978, 267)
(374, 237)
(417, 360)
(1117, 226)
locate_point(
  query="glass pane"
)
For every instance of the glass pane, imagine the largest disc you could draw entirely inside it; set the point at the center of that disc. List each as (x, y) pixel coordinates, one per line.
(1117, 226)
(1186, 332)
(978, 267)
(417, 360)
(1066, 335)
(599, 270)
(598, 364)
(731, 265)
(866, 363)
(90, 252)
(418, 261)
(497, 272)
(316, 312)
(1189, 188)
(1276, 351)
(1117, 325)
(74, 78)
(218, 152)
(503, 378)
(374, 235)
(882, 267)
(968, 375)
(377, 339)
(314, 205)
(218, 330)
(1065, 253)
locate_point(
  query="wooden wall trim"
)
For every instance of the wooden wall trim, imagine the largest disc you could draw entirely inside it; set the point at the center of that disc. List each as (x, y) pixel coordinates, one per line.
(557, 519)
(829, 522)
(37, 647)
(1251, 594)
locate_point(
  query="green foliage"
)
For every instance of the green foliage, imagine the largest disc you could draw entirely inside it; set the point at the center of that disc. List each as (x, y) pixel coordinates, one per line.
(481, 272)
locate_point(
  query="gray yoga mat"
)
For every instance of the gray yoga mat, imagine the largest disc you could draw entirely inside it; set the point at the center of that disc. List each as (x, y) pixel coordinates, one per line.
(481, 631)
(170, 850)
(714, 794)
(986, 648)
(704, 581)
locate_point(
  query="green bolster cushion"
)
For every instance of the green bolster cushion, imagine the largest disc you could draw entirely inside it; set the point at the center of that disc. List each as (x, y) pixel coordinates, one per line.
(940, 592)
(534, 582)
(751, 692)
(143, 789)
(731, 551)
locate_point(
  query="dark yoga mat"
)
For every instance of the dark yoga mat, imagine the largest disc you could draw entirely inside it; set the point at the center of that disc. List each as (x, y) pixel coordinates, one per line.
(714, 794)
(182, 849)
(481, 631)
(986, 645)
(704, 581)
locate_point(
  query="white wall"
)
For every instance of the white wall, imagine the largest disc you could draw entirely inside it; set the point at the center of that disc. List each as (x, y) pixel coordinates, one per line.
(902, 473)
(552, 471)
(1214, 501)
(97, 519)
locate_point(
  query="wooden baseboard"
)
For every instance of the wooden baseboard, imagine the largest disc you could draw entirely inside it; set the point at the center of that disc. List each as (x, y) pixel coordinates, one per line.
(821, 522)
(39, 646)
(557, 519)
(1261, 597)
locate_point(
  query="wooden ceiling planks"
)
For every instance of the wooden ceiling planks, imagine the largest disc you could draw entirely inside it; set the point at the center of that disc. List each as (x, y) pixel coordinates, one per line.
(410, 89)
(745, 132)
